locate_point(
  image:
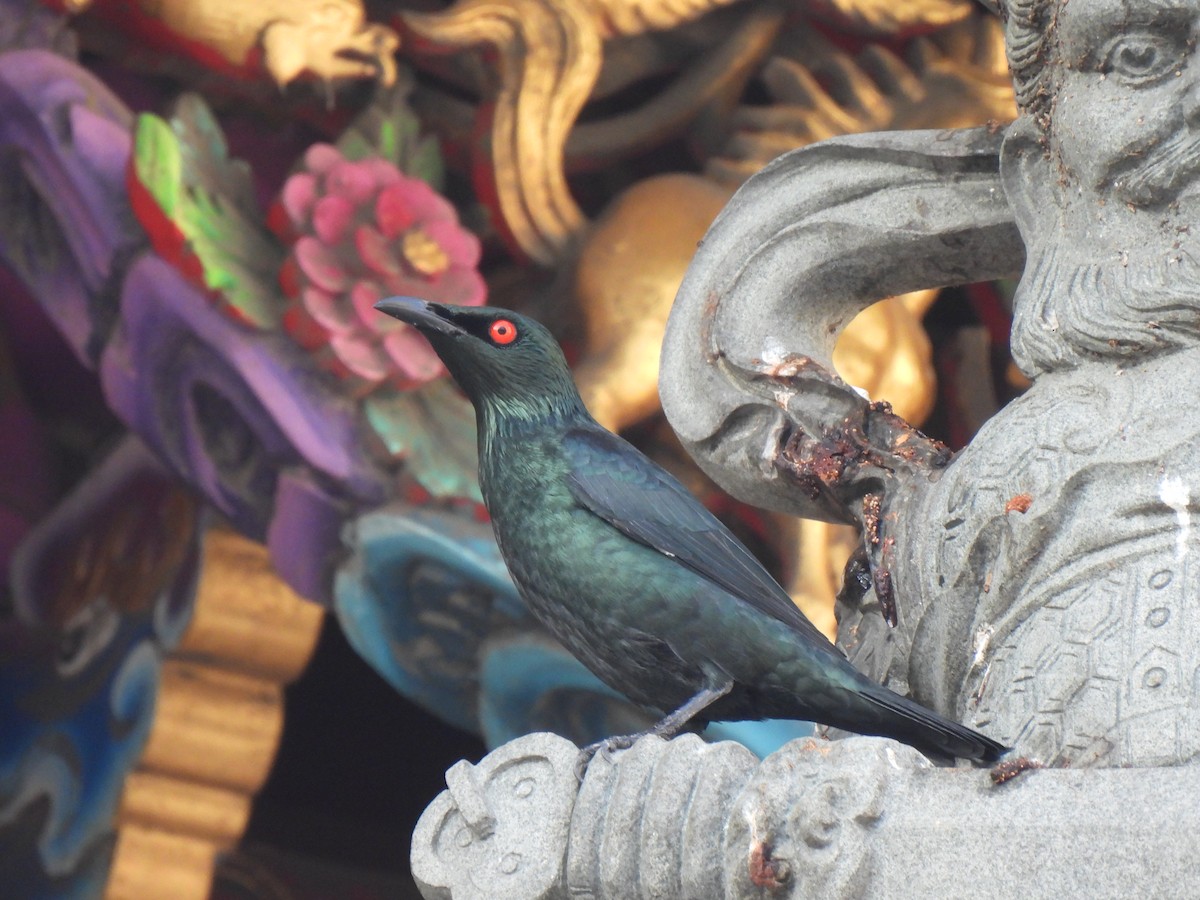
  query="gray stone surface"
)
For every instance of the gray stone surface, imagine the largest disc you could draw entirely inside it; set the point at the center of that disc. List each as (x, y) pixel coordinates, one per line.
(859, 817)
(804, 245)
(866, 817)
(500, 830)
(647, 822)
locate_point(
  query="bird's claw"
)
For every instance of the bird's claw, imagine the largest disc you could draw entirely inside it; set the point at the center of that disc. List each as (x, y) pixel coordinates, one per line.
(606, 748)
(869, 568)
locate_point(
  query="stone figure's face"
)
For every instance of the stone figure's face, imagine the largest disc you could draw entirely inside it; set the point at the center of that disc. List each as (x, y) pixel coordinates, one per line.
(1125, 125)
(1104, 176)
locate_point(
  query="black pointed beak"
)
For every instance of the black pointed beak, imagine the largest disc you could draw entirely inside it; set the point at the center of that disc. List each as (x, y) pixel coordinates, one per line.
(419, 314)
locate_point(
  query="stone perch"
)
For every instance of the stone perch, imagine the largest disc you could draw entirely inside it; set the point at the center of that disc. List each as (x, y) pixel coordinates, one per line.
(859, 817)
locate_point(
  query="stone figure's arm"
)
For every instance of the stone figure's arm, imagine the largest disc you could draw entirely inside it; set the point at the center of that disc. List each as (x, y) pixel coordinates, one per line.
(861, 817)
(818, 235)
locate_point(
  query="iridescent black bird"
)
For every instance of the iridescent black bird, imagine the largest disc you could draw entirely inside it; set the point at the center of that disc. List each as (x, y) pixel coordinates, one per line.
(626, 568)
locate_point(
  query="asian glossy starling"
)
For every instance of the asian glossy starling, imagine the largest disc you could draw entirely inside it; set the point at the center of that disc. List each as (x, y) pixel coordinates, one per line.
(629, 571)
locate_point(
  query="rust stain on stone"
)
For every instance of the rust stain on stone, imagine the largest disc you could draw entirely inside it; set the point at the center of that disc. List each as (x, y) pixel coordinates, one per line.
(1011, 768)
(886, 594)
(766, 872)
(708, 317)
(872, 507)
(1018, 503)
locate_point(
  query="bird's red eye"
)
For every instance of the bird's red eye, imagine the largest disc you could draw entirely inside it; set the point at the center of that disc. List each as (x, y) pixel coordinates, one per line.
(502, 331)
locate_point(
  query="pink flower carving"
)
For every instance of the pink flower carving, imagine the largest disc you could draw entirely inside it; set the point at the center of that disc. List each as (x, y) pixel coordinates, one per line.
(360, 231)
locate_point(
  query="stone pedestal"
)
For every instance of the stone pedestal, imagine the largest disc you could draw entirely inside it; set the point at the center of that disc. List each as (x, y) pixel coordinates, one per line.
(859, 817)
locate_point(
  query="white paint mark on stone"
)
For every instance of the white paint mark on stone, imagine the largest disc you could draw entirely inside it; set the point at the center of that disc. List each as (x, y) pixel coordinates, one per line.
(773, 352)
(979, 646)
(1174, 492)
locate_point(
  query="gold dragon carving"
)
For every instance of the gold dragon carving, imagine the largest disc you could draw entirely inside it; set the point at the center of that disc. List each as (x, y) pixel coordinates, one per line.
(884, 18)
(548, 56)
(328, 39)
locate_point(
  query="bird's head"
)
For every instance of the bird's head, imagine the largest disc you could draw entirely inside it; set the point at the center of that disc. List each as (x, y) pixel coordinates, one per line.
(504, 362)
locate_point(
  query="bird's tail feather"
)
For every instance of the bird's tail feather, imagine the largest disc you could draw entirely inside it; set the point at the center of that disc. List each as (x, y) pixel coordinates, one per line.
(930, 732)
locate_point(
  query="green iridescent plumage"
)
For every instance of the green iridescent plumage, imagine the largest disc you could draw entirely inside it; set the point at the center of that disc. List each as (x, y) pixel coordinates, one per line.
(630, 572)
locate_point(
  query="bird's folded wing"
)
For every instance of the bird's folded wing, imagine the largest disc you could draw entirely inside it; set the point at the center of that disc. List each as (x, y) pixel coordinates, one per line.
(616, 482)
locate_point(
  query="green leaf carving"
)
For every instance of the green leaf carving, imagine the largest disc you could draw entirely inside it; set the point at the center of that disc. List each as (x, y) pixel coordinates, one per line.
(202, 215)
(389, 128)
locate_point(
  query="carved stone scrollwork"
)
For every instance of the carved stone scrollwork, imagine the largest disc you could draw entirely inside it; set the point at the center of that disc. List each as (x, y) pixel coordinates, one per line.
(473, 836)
(904, 211)
(796, 810)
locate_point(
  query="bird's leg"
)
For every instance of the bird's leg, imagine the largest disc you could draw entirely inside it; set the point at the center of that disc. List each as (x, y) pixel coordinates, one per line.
(667, 727)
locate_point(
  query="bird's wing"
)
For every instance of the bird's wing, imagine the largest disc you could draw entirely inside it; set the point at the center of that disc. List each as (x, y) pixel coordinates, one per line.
(614, 481)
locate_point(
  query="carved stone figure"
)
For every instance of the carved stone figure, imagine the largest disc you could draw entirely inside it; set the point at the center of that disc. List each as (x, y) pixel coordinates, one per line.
(1036, 585)
(1039, 577)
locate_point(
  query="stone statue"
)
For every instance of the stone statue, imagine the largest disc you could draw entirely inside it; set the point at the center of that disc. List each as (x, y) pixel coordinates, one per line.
(1038, 578)
(1035, 585)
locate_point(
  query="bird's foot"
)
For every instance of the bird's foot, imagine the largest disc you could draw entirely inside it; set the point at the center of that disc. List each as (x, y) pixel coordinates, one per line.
(606, 748)
(870, 567)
